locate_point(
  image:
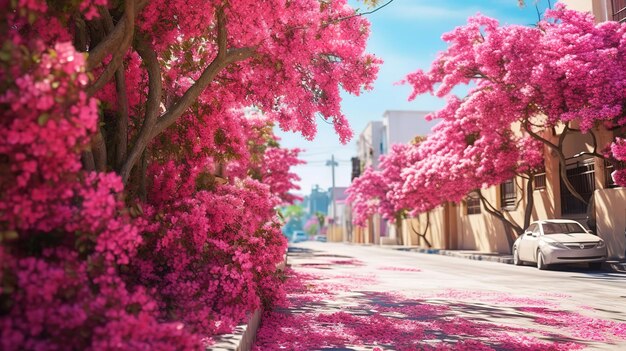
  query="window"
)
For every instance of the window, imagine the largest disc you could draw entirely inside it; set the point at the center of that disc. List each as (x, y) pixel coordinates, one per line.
(540, 180)
(608, 180)
(507, 195)
(581, 175)
(356, 167)
(473, 203)
(619, 10)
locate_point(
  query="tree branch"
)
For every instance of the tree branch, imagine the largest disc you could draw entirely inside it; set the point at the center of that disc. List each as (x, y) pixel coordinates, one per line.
(420, 235)
(99, 150)
(155, 91)
(530, 201)
(498, 214)
(562, 164)
(120, 138)
(223, 58)
(118, 54)
(118, 36)
(360, 14)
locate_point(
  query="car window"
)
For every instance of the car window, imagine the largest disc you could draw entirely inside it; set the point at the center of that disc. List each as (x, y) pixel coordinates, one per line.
(562, 228)
(536, 230)
(532, 228)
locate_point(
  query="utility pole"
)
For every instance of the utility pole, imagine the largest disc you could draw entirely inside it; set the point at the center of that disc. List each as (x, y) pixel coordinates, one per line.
(332, 164)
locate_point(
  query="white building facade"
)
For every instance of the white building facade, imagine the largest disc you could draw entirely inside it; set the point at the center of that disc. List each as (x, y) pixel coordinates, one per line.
(396, 127)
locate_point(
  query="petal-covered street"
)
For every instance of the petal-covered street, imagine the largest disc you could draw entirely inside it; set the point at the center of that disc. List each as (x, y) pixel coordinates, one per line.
(344, 297)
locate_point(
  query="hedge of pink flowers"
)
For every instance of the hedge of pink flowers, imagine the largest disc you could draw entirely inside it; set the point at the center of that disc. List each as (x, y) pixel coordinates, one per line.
(88, 264)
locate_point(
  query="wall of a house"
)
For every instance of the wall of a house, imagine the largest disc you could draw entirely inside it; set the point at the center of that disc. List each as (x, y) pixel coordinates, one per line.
(435, 231)
(611, 219)
(484, 232)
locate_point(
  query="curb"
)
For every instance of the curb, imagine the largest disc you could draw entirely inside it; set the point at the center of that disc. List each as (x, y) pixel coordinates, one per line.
(609, 266)
(507, 259)
(242, 338)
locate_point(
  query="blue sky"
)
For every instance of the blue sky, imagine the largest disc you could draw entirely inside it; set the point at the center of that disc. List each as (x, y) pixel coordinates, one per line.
(406, 34)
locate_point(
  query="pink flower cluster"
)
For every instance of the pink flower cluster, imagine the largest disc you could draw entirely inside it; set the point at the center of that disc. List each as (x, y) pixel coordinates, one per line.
(618, 152)
(211, 257)
(64, 232)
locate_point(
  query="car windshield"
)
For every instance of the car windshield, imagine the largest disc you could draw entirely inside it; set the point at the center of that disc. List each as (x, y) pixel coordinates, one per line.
(562, 228)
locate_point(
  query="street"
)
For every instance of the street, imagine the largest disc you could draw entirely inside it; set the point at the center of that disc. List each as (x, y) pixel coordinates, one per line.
(350, 297)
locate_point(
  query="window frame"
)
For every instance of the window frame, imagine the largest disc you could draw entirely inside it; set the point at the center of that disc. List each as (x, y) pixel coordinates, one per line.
(472, 204)
(539, 181)
(618, 10)
(508, 195)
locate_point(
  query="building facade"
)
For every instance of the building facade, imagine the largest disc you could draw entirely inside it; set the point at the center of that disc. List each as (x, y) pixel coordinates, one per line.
(396, 127)
(468, 226)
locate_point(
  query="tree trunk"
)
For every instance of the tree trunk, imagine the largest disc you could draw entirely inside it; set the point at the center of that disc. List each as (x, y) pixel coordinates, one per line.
(399, 237)
(530, 200)
(511, 229)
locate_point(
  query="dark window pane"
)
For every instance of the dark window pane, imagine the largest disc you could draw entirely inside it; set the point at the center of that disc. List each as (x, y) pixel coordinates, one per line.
(507, 194)
(582, 177)
(473, 204)
(619, 10)
(540, 181)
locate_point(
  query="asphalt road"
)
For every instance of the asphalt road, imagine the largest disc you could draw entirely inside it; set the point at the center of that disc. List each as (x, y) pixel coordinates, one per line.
(579, 290)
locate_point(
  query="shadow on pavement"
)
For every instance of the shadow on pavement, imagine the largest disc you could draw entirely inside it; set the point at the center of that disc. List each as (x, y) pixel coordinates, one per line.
(320, 318)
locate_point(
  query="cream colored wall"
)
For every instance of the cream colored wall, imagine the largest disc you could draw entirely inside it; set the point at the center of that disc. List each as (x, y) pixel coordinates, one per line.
(376, 219)
(611, 219)
(435, 233)
(335, 233)
(482, 232)
(600, 8)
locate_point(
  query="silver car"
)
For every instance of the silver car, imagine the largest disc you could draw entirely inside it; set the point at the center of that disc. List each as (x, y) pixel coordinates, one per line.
(558, 241)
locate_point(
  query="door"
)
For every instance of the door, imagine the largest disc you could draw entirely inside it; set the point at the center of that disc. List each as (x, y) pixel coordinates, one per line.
(528, 243)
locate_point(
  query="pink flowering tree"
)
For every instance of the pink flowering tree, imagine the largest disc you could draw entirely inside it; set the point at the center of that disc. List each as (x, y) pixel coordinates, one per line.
(139, 192)
(565, 71)
(379, 191)
(459, 157)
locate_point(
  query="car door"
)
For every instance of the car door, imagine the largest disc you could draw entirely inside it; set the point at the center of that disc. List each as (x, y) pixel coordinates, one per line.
(528, 242)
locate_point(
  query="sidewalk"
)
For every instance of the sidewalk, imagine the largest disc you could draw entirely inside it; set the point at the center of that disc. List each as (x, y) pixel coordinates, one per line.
(614, 266)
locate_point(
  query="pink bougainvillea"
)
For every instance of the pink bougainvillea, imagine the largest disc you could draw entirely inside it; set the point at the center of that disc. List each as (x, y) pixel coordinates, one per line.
(139, 172)
(64, 232)
(618, 152)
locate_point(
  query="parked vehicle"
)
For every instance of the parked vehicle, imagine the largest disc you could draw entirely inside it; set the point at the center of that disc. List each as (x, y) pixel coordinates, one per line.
(320, 238)
(299, 236)
(557, 241)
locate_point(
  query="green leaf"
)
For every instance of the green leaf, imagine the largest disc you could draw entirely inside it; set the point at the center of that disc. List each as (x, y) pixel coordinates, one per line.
(5, 56)
(43, 118)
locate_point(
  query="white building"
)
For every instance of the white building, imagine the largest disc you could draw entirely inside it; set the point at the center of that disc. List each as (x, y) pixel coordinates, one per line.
(369, 145)
(400, 127)
(396, 127)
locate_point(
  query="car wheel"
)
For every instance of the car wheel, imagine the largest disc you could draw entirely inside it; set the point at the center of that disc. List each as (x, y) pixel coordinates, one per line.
(516, 260)
(541, 265)
(595, 265)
